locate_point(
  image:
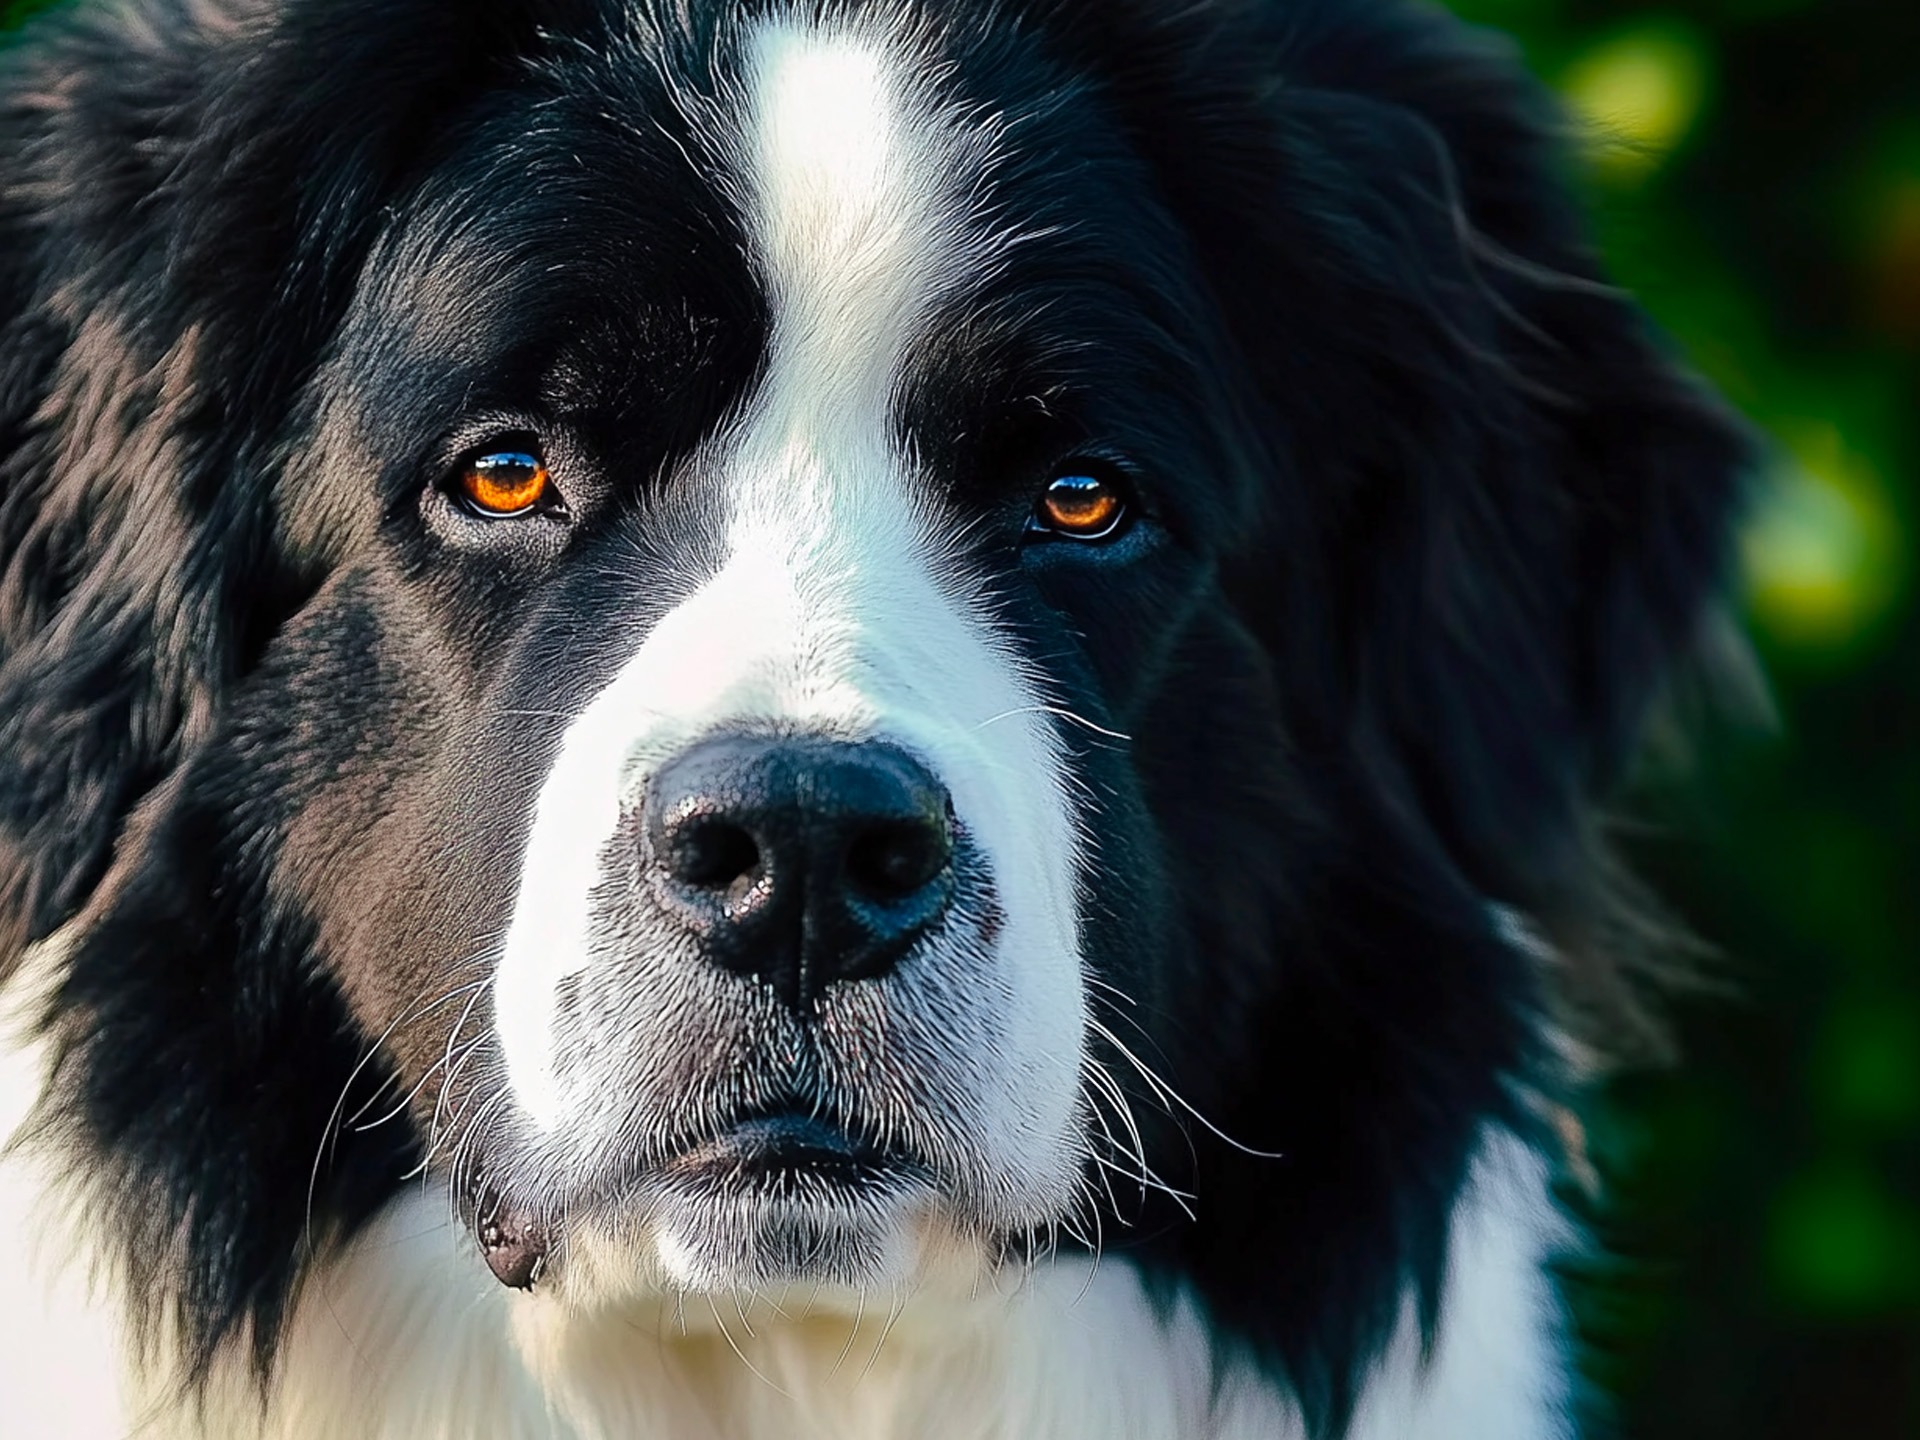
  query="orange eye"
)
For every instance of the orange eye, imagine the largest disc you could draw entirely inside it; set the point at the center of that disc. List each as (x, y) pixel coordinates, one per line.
(504, 483)
(1081, 507)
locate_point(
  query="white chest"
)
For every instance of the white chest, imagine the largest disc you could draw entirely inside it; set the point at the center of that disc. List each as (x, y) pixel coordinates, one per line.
(406, 1337)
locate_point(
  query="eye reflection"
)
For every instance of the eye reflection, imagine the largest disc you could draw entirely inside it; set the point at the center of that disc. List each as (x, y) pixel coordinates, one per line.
(503, 484)
(1080, 505)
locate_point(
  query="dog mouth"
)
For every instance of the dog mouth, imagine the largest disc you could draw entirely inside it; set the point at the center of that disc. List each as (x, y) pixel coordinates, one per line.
(784, 1182)
(785, 1153)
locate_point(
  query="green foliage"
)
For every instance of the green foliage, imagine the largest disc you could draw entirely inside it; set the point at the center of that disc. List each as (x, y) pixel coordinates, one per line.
(1756, 168)
(12, 12)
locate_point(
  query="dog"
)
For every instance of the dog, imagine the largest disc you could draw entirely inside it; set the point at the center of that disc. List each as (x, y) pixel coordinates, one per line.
(739, 718)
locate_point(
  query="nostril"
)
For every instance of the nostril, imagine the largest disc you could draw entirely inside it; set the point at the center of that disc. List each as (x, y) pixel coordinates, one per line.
(895, 860)
(805, 861)
(712, 853)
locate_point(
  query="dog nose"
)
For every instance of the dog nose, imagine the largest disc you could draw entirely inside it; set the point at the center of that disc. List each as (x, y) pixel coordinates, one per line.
(803, 861)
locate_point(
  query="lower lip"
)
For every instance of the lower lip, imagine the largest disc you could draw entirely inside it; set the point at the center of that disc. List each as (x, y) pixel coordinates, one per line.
(785, 1148)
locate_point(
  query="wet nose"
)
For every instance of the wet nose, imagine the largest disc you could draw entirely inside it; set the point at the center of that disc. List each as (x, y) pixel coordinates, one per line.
(803, 861)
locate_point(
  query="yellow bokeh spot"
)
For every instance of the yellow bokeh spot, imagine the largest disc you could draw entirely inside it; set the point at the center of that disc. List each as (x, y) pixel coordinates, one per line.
(1639, 93)
(1823, 551)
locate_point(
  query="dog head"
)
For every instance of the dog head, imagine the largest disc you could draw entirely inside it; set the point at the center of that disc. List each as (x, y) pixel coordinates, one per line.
(781, 641)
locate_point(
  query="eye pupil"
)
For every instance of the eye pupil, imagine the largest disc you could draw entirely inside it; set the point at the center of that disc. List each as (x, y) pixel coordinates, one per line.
(1082, 507)
(504, 482)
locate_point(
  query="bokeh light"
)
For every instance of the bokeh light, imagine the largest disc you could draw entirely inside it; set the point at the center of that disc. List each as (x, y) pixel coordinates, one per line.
(1823, 552)
(1639, 92)
(1754, 166)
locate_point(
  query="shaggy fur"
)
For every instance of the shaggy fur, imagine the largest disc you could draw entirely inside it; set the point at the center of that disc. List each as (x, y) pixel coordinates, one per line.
(1278, 891)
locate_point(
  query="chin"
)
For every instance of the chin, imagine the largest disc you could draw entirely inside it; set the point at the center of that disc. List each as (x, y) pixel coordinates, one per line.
(876, 720)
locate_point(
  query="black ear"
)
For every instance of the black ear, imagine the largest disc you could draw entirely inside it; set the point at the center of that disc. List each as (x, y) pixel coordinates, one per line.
(1523, 502)
(106, 667)
(1539, 534)
(186, 191)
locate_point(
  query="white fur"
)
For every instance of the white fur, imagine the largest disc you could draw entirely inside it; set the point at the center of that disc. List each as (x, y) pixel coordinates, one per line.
(59, 1348)
(836, 608)
(406, 1337)
(1503, 1363)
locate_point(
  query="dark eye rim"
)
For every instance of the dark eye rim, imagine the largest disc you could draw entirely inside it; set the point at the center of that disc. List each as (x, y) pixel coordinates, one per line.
(518, 443)
(1113, 474)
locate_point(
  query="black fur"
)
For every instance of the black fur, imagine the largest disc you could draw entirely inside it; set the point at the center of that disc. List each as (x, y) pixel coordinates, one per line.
(1445, 517)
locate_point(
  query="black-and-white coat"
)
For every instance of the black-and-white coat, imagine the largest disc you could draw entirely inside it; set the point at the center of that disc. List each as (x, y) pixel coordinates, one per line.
(869, 719)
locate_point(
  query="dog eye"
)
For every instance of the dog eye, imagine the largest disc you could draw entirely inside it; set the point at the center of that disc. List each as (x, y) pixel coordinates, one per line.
(503, 484)
(1084, 501)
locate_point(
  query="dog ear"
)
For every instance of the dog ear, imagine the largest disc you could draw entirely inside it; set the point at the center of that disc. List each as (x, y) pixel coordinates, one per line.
(105, 674)
(1501, 512)
(1543, 534)
(186, 189)
(1524, 504)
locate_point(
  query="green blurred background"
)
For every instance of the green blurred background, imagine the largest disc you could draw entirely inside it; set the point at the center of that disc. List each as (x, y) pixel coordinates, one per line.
(1755, 167)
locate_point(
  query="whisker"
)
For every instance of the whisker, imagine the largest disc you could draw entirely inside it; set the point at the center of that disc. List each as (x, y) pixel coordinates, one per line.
(419, 1085)
(898, 1309)
(740, 1309)
(859, 1315)
(734, 1345)
(1114, 990)
(1059, 712)
(1140, 1173)
(352, 1121)
(330, 1133)
(1168, 1096)
(452, 1069)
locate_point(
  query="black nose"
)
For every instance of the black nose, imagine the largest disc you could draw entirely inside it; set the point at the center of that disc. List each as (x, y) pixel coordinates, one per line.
(802, 861)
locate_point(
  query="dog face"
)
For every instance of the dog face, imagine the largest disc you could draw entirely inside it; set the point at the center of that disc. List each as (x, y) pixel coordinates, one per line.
(752, 940)
(776, 643)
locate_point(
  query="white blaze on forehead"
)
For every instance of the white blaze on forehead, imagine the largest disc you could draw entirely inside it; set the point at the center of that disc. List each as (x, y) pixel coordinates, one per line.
(835, 608)
(846, 225)
(858, 231)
